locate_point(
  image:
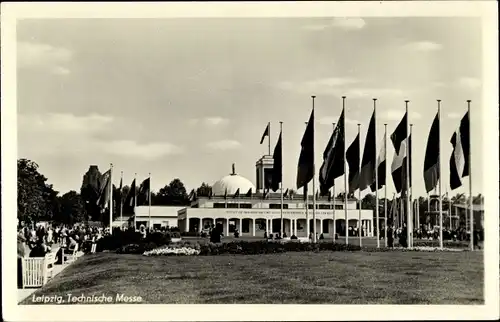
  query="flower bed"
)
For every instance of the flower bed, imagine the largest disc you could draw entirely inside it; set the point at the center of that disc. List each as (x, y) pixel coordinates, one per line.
(169, 250)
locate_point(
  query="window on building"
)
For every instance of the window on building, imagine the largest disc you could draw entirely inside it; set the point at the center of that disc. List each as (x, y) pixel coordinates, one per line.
(324, 207)
(277, 206)
(219, 205)
(246, 205)
(339, 207)
(232, 205)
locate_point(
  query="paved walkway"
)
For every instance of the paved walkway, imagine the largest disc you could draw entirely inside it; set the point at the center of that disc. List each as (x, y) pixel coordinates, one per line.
(23, 293)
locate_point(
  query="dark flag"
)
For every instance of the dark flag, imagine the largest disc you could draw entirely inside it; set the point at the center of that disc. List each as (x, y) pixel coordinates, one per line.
(225, 193)
(129, 200)
(306, 193)
(305, 169)
(459, 161)
(276, 176)
(104, 183)
(265, 194)
(266, 133)
(143, 193)
(333, 157)
(249, 193)
(192, 196)
(237, 193)
(381, 165)
(121, 187)
(352, 156)
(368, 164)
(400, 134)
(285, 195)
(431, 161)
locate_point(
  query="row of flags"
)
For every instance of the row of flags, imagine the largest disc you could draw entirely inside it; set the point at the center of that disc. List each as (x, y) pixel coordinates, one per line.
(364, 177)
(135, 196)
(368, 169)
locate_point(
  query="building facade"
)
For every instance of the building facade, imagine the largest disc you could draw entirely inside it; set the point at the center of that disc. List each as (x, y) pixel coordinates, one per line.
(236, 203)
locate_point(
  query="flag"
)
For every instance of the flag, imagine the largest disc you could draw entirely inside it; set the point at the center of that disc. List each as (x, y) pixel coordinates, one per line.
(306, 192)
(129, 200)
(368, 164)
(352, 156)
(305, 169)
(333, 157)
(192, 196)
(431, 161)
(277, 174)
(400, 134)
(249, 193)
(398, 167)
(104, 189)
(265, 194)
(225, 194)
(459, 161)
(381, 165)
(121, 186)
(266, 133)
(143, 193)
(285, 195)
(237, 193)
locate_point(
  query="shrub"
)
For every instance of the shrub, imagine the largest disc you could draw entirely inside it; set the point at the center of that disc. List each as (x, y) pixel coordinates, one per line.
(120, 239)
(189, 233)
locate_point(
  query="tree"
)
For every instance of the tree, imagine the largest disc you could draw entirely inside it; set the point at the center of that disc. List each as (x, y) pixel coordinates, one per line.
(173, 194)
(72, 208)
(204, 190)
(31, 192)
(368, 202)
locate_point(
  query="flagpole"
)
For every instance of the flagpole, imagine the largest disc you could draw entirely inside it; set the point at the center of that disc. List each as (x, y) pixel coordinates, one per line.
(440, 180)
(314, 183)
(407, 175)
(410, 194)
(281, 180)
(345, 178)
(333, 202)
(471, 212)
(121, 201)
(110, 198)
(306, 194)
(385, 186)
(269, 138)
(360, 229)
(149, 198)
(376, 175)
(135, 200)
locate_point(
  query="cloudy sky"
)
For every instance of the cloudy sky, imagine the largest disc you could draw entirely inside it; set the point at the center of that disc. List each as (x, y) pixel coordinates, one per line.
(186, 98)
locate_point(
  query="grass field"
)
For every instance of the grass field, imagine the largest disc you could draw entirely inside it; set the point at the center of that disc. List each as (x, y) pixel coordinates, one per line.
(293, 278)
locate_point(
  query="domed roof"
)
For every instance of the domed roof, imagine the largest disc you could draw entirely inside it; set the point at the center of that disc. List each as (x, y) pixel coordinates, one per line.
(231, 183)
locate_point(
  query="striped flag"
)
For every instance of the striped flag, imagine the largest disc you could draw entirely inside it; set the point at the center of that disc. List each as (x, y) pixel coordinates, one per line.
(381, 165)
(333, 158)
(104, 182)
(459, 161)
(129, 200)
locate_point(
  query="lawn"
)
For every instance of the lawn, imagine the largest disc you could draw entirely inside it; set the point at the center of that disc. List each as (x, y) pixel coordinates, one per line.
(293, 278)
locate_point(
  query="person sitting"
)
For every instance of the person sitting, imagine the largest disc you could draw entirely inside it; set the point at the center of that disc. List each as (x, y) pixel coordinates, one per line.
(39, 250)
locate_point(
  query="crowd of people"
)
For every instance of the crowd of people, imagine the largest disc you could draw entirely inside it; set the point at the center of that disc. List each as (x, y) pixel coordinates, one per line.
(38, 240)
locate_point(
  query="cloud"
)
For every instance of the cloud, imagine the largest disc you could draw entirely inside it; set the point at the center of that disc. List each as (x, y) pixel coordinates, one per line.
(341, 86)
(469, 82)
(68, 134)
(52, 59)
(397, 115)
(424, 46)
(63, 123)
(341, 23)
(148, 151)
(318, 86)
(224, 145)
(209, 121)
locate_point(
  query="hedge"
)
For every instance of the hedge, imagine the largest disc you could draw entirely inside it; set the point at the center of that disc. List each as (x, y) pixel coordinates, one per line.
(119, 239)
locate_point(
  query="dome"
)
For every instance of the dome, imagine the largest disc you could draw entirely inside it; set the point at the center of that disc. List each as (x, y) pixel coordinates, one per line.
(232, 183)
